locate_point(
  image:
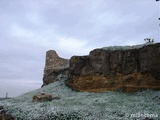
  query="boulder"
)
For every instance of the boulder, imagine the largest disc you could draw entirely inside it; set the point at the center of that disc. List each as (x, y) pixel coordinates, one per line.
(4, 115)
(42, 98)
(128, 68)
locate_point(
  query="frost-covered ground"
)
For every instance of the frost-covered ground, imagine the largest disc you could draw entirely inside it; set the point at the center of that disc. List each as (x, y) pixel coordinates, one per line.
(112, 48)
(85, 106)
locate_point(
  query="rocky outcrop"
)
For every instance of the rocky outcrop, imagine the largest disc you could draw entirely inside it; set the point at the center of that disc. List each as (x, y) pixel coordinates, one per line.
(44, 98)
(128, 68)
(54, 67)
(4, 115)
(122, 69)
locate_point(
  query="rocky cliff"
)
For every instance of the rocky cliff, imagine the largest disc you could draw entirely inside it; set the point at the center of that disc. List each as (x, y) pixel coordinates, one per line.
(54, 67)
(128, 68)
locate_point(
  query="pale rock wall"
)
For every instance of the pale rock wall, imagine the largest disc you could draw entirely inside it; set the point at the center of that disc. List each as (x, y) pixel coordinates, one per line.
(54, 66)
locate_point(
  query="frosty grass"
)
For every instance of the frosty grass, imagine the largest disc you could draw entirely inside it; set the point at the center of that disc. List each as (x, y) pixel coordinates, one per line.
(83, 105)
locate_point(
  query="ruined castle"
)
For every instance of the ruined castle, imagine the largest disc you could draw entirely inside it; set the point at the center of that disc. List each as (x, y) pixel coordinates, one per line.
(107, 69)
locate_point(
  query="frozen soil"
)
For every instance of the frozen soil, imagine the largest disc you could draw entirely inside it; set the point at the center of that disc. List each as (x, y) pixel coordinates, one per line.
(85, 106)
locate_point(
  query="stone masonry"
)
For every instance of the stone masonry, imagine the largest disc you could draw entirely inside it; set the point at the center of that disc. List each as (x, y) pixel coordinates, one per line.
(53, 67)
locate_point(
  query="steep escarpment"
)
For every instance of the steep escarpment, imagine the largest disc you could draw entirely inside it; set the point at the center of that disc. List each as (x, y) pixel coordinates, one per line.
(116, 68)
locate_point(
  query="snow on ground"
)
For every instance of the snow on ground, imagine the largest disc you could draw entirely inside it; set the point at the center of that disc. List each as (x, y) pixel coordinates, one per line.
(112, 48)
(85, 106)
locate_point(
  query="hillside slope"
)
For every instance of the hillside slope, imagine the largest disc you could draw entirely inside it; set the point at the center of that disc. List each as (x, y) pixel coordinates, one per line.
(84, 105)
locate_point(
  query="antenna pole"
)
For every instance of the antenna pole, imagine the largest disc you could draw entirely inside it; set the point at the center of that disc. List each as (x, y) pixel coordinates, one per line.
(6, 95)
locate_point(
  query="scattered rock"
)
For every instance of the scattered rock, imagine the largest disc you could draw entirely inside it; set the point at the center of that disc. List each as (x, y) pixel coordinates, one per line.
(4, 115)
(42, 98)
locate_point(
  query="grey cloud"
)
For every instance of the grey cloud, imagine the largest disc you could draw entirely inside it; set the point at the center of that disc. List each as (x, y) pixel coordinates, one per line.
(19, 59)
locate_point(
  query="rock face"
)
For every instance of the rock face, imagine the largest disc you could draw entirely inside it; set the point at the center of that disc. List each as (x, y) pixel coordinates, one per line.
(130, 69)
(54, 66)
(107, 70)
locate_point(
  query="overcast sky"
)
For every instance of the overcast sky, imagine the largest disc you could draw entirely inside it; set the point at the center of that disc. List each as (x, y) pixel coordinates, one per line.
(28, 28)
